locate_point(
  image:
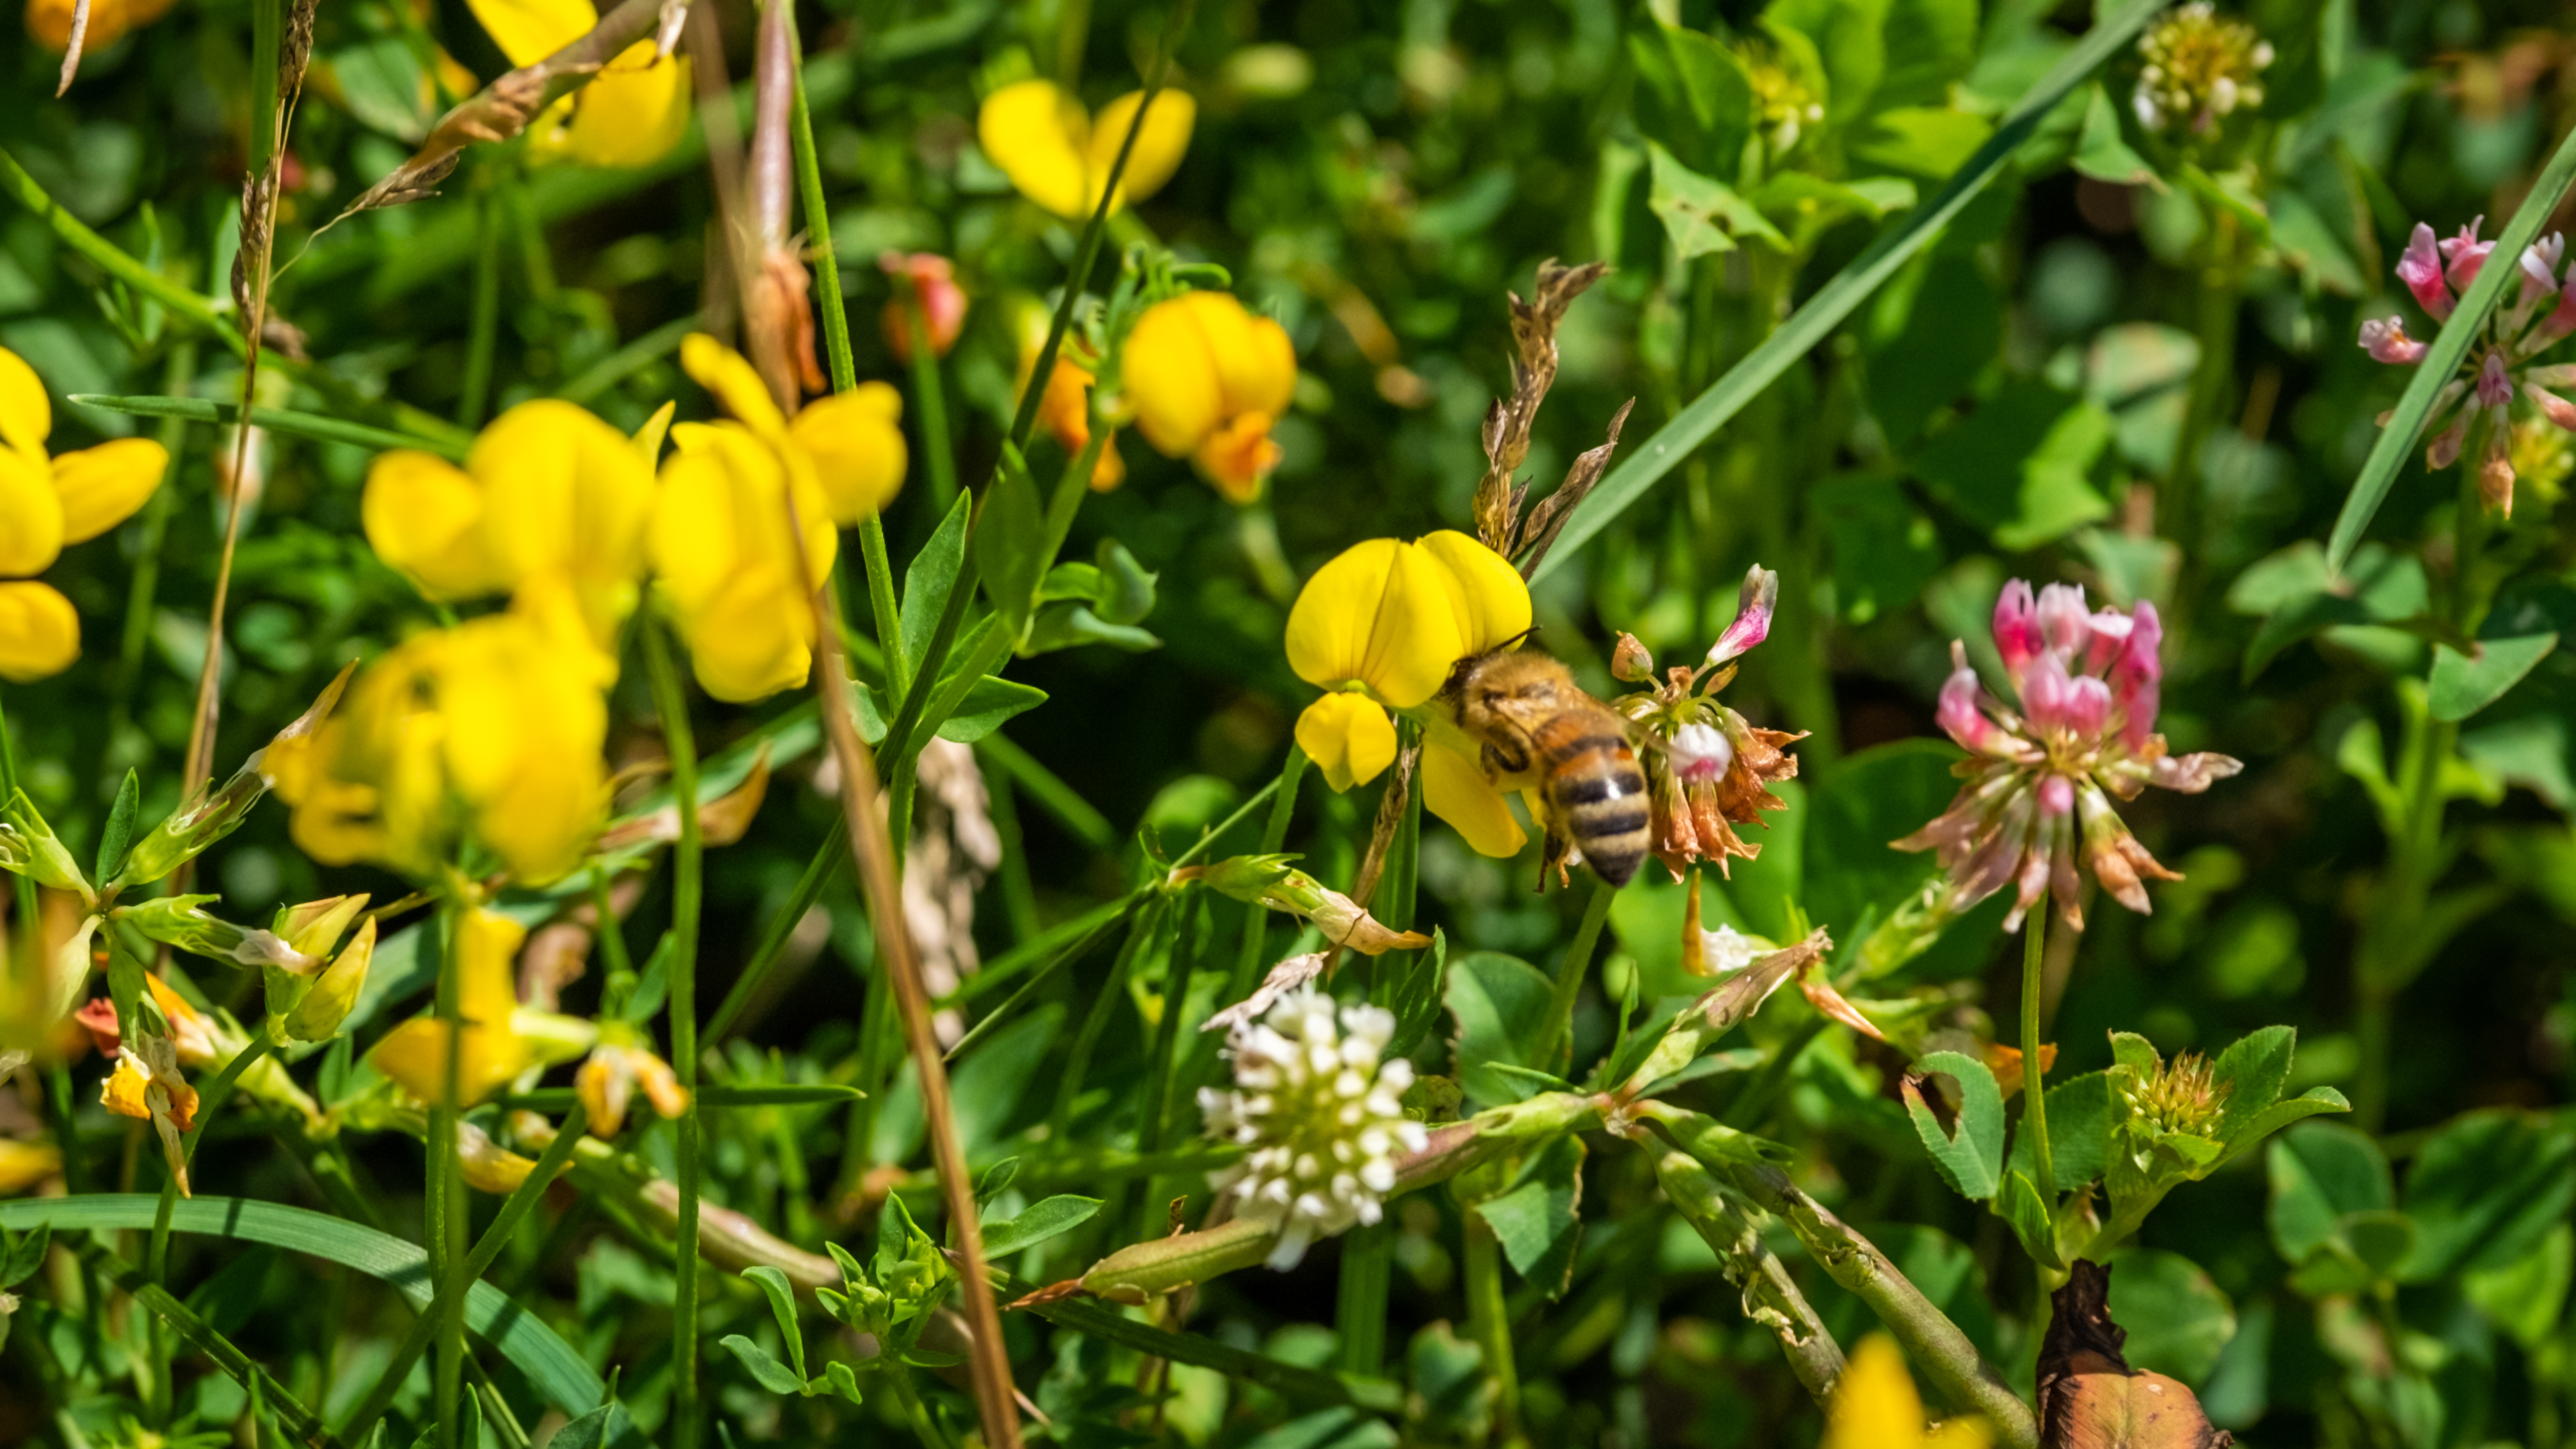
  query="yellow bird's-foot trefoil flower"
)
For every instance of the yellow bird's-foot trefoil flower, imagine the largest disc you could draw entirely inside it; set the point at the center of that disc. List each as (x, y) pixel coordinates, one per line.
(724, 540)
(1707, 769)
(616, 1067)
(548, 492)
(496, 726)
(1876, 1406)
(1059, 155)
(24, 1164)
(497, 1037)
(147, 1085)
(203, 1042)
(1382, 626)
(631, 114)
(46, 503)
(1206, 381)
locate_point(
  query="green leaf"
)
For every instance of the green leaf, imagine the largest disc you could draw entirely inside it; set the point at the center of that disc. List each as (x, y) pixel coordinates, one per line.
(2316, 1101)
(2318, 1174)
(1930, 45)
(1971, 1160)
(1042, 1220)
(1702, 214)
(1538, 1219)
(1824, 311)
(1885, 549)
(2449, 348)
(1871, 798)
(2128, 1049)
(552, 1368)
(1926, 141)
(1066, 625)
(2463, 684)
(2486, 1188)
(782, 1306)
(2178, 1320)
(26, 1256)
(605, 1427)
(1010, 541)
(1693, 95)
(2079, 1131)
(2252, 1070)
(995, 1178)
(277, 420)
(843, 1379)
(2102, 152)
(988, 706)
(928, 580)
(119, 831)
(2057, 438)
(2527, 1297)
(1501, 1006)
(774, 1376)
(2026, 1212)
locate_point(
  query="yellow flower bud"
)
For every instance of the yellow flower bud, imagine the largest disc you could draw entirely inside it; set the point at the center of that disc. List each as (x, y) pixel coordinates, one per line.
(39, 632)
(101, 487)
(318, 1016)
(24, 1164)
(1060, 157)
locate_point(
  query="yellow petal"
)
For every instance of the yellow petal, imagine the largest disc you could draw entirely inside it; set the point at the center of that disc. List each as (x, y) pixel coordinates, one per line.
(122, 1092)
(648, 438)
(1159, 146)
(1172, 378)
(318, 1016)
(1875, 1405)
(102, 486)
(525, 726)
(31, 514)
(727, 568)
(634, 112)
(26, 413)
(424, 517)
(487, 945)
(530, 30)
(23, 1164)
(1455, 789)
(857, 449)
(39, 632)
(1328, 626)
(1256, 367)
(1490, 601)
(734, 381)
(1038, 136)
(1348, 737)
(563, 492)
(1415, 640)
(1238, 457)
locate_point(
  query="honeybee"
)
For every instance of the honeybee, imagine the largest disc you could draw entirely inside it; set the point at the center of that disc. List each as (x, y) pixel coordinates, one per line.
(1537, 728)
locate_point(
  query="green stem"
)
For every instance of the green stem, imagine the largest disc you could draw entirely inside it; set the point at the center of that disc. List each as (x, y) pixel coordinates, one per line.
(687, 882)
(2214, 325)
(444, 1212)
(1489, 1321)
(900, 1379)
(1359, 1310)
(27, 933)
(2034, 1095)
(151, 528)
(1559, 1025)
(932, 400)
(1078, 1058)
(1256, 918)
(829, 858)
(1188, 919)
(484, 331)
(237, 1365)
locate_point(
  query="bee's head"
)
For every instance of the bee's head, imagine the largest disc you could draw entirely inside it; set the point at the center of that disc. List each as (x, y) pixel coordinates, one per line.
(1465, 670)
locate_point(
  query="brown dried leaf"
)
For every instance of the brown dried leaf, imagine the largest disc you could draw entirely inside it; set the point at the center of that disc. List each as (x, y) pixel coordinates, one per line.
(1507, 425)
(2089, 1397)
(1548, 519)
(1285, 977)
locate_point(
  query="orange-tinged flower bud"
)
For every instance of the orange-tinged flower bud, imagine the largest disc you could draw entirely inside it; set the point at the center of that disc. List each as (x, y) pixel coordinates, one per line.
(925, 281)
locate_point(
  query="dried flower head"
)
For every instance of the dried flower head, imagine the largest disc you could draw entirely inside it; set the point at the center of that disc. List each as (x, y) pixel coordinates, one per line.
(1707, 769)
(1319, 1115)
(2199, 69)
(2493, 371)
(2087, 683)
(2183, 1097)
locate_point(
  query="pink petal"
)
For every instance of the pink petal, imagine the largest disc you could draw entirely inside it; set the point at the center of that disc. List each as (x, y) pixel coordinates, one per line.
(2539, 263)
(2088, 706)
(2065, 621)
(2056, 795)
(1753, 607)
(1958, 713)
(2046, 692)
(2386, 341)
(2495, 389)
(2420, 268)
(2466, 254)
(2016, 630)
(2553, 407)
(2136, 679)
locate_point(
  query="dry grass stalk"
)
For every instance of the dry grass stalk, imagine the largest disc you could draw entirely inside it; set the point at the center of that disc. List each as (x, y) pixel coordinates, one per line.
(1500, 521)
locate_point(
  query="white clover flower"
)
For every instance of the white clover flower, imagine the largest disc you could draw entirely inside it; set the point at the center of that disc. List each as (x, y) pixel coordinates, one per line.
(1320, 1114)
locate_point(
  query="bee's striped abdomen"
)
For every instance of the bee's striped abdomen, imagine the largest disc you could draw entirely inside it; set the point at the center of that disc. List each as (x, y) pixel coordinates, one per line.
(1597, 789)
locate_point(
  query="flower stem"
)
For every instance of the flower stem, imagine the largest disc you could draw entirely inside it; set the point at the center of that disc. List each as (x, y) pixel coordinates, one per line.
(687, 884)
(932, 400)
(484, 330)
(1559, 1027)
(444, 1212)
(1489, 1321)
(27, 938)
(2034, 1094)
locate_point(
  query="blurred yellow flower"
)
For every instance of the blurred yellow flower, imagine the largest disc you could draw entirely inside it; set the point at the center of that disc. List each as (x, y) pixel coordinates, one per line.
(24, 1164)
(50, 21)
(497, 1038)
(1207, 380)
(547, 491)
(1380, 627)
(495, 726)
(724, 552)
(45, 504)
(631, 114)
(1876, 1406)
(1064, 409)
(1059, 155)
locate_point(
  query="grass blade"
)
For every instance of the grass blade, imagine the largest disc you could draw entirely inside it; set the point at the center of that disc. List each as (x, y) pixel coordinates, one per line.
(1810, 324)
(2442, 360)
(276, 420)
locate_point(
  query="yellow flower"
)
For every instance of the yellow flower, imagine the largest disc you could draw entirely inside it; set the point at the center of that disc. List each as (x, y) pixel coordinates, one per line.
(722, 545)
(631, 114)
(1876, 1407)
(46, 503)
(609, 1078)
(497, 1038)
(23, 1164)
(1059, 156)
(1207, 379)
(147, 1085)
(547, 491)
(50, 21)
(496, 725)
(1382, 626)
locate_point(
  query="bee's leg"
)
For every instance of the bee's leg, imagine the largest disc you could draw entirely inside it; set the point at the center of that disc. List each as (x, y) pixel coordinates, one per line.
(1504, 758)
(1552, 857)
